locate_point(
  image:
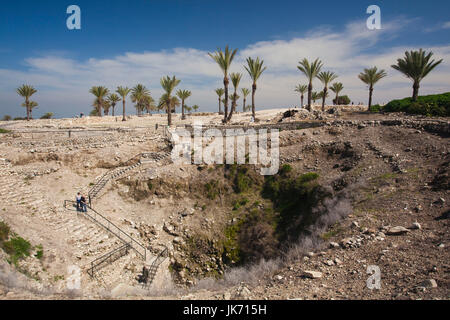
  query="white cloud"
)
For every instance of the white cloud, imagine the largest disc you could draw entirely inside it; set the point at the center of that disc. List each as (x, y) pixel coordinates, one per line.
(63, 83)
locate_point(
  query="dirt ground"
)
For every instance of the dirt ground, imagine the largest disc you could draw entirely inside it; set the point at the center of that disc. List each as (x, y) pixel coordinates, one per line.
(396, 176)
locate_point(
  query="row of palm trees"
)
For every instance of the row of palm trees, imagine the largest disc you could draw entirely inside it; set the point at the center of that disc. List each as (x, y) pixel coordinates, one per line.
(254, 68)
(141, 97)
(416, 65)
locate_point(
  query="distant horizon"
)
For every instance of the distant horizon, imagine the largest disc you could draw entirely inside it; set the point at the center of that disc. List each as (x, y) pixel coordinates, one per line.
(123, 44)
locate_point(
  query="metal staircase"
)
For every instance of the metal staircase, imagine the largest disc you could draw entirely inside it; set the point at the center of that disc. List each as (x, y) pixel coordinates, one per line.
(132, 163)
(128, 242)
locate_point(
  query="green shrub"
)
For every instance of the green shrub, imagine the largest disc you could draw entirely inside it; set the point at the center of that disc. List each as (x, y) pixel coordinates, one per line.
(376, 108)
(17, 248)
(431, 105)
(212, 189)
(19, 118)
(285, 169)
(48, 115)
(4, 131)
(342, 100)
(6, 118)
(40, 252)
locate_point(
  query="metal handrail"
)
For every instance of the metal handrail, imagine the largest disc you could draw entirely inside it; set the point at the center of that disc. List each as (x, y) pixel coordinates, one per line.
(91, 194)
(98, 261)
(91, 191)
(119, 233)
(155, 266)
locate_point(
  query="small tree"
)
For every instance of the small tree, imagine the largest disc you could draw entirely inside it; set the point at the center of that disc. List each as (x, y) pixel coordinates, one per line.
(370, 77)
(123, 92)
(48, 115)
(416, 65)
(301, 89)
(326, 78)
(113, 99)
(337, 87)
(26, 91)
(169, 84)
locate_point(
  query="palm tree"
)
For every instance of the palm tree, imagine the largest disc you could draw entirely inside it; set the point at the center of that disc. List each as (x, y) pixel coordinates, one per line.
(123, 92)
(326, 78)
(220, 93)
(301, 89)
(255, 70)
(224, 59)
(149, 103)
(370, 77)
(311, 71)
(106, 107)
(113, 99)
(416, 65)
(26, 91)
(174, 102)
(169, 85)
(245, 93)
(195, 107)
(315, 96)
(32, 105)
(235, 79)
(100, 93)
(337, 87)
(183, 95)
(138, 96)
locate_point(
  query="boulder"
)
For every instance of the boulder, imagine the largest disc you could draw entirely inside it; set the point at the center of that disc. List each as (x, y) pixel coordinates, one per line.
(397, 231)
(429, 283)
(312, 274)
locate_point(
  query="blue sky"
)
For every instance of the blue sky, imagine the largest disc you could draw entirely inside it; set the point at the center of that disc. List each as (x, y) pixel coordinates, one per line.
(126, 42)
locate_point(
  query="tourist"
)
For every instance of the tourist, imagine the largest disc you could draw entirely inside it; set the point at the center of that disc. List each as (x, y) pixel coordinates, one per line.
(78, 197)
(83, 204)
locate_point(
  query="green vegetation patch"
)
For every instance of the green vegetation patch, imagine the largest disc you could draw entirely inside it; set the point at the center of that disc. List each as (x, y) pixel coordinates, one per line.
(17, 248)
(430, 105)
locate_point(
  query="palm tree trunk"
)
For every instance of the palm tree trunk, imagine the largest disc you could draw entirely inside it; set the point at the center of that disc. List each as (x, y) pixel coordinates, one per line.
(123, 117)
(169, 112)
(233, 106)
(182, 110)
(253, 100)
(27, 105)
(220, 105)
(301, 101)
(309, 96)
(113, 110)
(323, 99)
(243, 105)
(225, 84)
(370, 96)
(335, 102)
(416, 87)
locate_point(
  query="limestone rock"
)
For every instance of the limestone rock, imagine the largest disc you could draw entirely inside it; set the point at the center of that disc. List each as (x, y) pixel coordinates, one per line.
(312, 274)
(397, 231)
